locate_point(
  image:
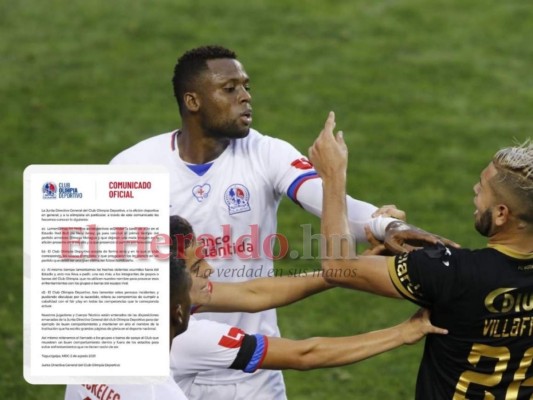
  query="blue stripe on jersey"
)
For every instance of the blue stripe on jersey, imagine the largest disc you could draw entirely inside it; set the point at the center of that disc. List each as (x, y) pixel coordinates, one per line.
(259, 354)
(199, 169)
(295, 185)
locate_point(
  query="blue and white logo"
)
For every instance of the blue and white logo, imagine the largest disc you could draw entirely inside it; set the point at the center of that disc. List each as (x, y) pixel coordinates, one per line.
(67, 191)
(237, 199)
(49, 190)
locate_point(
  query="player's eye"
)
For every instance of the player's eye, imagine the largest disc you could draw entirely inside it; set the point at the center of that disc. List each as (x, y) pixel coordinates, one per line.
(229, 89)
(195, 268)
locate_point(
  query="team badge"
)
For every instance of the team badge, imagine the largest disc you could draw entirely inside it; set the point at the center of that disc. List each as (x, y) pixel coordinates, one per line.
(49, 190)
(201, 192)
(237, 199)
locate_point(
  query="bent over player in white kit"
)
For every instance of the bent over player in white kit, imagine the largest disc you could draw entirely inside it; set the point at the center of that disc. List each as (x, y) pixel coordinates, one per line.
(180, 303)
(209, 345)
(228, 180)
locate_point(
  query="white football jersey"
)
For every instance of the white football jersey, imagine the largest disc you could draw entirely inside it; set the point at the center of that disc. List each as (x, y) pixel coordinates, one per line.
(210, 345)
(232, 208)
(164, 391)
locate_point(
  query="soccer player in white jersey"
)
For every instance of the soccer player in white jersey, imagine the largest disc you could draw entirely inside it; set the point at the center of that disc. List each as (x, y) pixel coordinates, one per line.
(209, 345)
(228, 180)
(180, 304)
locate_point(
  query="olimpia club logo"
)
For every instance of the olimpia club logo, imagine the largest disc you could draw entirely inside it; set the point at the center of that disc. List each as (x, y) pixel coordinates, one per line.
(237, 199)
(62, 191)
(49, 190)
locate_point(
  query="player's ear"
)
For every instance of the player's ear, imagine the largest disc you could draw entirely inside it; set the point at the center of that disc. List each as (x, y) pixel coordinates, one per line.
(191, 101)
(500, 215)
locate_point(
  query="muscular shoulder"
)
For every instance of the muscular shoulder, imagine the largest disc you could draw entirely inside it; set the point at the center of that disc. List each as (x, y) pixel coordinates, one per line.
(200, 331)
(257, 142)
(203, 346)
(432, 274)
(458, 259)
(147, 151)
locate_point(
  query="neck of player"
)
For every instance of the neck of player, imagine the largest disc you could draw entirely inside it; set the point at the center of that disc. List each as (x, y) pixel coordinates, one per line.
(195, 148)
(517, 241)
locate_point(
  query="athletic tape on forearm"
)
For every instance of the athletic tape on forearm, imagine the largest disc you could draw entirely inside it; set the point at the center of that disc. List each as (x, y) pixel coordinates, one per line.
(359, 212)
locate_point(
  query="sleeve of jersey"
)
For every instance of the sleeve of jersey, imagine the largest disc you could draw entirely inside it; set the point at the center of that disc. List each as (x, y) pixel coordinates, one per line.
(207, 345)
(287, 168)
(309, 196)
(294, 175)
(251, 354)
(427, 276)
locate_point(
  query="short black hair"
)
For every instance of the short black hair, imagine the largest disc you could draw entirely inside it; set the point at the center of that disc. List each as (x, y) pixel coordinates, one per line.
(191, 64)
(181, 235)
(179, 277)
(180, 282)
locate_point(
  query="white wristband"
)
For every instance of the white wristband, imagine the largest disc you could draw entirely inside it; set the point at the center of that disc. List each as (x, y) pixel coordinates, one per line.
(378, 226)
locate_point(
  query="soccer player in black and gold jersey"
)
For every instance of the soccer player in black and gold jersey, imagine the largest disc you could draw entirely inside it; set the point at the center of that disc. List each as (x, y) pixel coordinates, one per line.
(483, 297)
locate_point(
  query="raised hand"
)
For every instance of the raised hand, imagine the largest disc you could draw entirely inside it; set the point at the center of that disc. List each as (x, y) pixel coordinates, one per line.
(329, 153)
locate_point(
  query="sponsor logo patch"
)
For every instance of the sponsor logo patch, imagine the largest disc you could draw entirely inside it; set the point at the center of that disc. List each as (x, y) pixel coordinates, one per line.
(302, 163)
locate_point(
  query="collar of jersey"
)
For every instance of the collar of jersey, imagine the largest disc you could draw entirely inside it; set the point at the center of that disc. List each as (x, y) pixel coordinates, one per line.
(174, 148)
(510, 252)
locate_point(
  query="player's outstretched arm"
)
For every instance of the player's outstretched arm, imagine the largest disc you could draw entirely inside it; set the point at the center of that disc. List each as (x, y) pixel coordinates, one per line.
(321, 352)
(329, 155)
(401, 237)
(263, 293)
(360, 213)
(341, 266)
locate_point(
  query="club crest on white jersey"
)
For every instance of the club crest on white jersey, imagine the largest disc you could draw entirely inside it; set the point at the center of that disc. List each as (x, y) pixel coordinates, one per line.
(237, 198)
(201, 192)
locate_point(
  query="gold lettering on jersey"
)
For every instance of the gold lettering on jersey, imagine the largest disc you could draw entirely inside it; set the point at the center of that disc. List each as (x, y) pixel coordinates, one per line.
(508, 327)
(403, 276)
(506, 300)
(401, 267)
(517, 302)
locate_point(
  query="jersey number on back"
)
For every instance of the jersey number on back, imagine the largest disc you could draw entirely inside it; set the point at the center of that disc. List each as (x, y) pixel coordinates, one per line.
(502, 356)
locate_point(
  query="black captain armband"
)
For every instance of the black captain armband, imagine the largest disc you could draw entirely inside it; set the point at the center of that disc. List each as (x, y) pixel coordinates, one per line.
(251, 354)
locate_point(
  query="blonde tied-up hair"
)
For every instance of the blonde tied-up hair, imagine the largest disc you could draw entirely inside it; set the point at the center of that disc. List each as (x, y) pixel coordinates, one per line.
(518, 160)
(515, 176)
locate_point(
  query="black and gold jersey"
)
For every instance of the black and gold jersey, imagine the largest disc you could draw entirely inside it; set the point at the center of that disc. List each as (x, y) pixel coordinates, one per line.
(485, 300)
